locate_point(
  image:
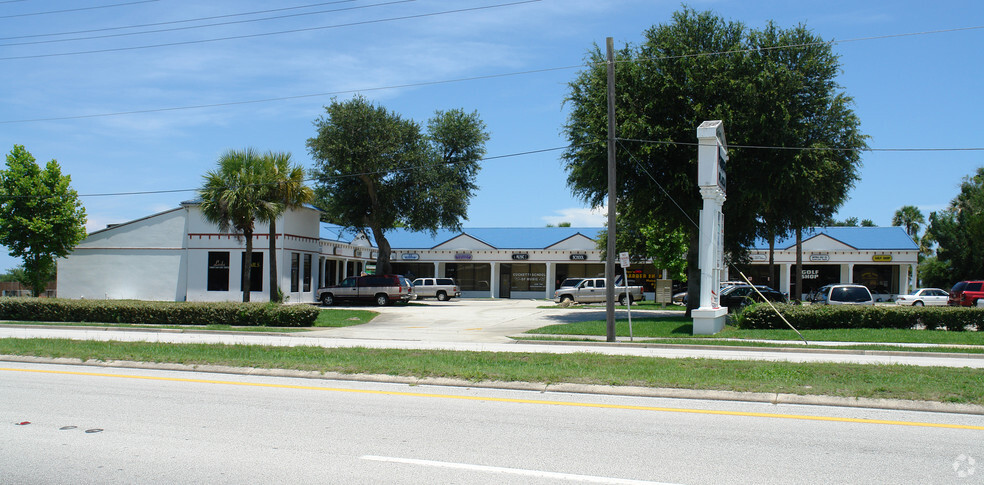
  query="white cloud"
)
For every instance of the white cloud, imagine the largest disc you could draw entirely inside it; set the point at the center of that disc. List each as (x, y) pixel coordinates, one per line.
(580, 217)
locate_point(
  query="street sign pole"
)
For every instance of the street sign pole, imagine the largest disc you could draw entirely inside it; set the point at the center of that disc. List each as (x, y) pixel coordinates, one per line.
(623, 259)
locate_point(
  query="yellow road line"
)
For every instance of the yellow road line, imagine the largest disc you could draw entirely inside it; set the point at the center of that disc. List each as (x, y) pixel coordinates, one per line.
(515, 401)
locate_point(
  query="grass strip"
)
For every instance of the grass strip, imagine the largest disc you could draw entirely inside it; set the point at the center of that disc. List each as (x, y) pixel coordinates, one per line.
(679, 327)
(955, 385)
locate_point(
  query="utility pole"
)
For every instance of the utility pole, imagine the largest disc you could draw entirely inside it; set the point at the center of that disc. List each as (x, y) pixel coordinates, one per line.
(610, 253)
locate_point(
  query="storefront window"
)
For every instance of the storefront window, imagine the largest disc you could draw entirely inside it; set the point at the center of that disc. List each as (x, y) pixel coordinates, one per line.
(414, 270)
(470, 276)
(295, 270)
(307, 272)
(879, 279)
(255, 272)
(218, 271)
(528, 277)
(815, 276)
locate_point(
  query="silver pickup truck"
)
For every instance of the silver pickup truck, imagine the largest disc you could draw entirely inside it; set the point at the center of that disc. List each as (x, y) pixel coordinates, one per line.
(592, 290)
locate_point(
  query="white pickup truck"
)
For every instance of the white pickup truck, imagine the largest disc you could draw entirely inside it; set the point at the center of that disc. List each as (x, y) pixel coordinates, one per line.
(590, 290)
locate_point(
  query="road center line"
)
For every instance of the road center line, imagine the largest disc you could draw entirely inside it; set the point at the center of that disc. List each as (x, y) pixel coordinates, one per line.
(511, 471)
(511, 400)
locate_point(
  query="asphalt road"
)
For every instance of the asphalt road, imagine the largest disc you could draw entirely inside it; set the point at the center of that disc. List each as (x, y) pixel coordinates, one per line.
(91, 425)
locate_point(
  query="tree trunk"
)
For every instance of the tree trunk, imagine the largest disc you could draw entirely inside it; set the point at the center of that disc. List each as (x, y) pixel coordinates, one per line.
(248, 266)
(798, 294)
(274, 277)
(383, 256)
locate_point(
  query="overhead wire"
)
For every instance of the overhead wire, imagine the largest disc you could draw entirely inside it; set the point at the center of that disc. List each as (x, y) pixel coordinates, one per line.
(216, 24)
(172, 22)
(77, 9)
(267, 34)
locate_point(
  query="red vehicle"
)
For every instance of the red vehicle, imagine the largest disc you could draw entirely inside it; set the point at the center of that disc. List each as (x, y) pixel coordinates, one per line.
(966, 293)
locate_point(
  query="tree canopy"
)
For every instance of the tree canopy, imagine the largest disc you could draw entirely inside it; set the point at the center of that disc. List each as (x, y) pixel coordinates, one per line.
(959, 231)
(41, 217)
(376, 170)
(772, 88)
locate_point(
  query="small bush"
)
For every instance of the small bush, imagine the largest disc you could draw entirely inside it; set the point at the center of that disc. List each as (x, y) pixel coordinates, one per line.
(157, 312)
(810, 317)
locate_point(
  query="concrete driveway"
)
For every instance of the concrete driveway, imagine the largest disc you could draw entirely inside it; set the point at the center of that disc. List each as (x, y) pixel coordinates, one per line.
(469, 320)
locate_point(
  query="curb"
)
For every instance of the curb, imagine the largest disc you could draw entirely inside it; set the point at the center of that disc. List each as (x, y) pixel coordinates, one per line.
(713, 395)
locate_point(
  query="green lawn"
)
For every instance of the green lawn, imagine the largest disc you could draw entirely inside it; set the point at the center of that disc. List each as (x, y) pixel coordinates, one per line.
(847, 380)
(680, 327)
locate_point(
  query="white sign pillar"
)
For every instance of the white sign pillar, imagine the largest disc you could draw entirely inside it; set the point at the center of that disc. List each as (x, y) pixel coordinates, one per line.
(712, 157)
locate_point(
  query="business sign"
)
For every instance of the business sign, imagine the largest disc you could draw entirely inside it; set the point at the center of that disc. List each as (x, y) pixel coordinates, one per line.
(758, 257)
(882, 258)
(463, 256)
(410, 256)
(623, 259)
(820, 257)
(579, 257)
(521, 256)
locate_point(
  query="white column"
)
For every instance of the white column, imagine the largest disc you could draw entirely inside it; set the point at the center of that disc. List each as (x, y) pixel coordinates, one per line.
(437, 269)
(494, 276)
(850, 274)
(550, 283)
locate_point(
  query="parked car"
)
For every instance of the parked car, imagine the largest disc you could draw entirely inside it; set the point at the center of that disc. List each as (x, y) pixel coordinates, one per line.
(966, 293)
(843, 295)
(739, 296)
(441, 288)
(924, 296)
(381, 289)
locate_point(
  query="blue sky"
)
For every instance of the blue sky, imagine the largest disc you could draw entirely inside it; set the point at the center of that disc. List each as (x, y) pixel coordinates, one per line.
(919, 91)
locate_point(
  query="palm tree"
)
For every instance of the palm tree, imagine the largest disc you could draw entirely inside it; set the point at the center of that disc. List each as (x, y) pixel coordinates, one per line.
(910, 218)
(232, 197)
(285, 191)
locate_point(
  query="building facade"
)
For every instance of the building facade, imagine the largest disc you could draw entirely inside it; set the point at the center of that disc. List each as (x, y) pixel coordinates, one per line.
(178, 256)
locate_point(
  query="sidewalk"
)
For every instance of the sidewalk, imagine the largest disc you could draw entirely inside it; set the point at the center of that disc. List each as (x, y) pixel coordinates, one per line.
(619, 348)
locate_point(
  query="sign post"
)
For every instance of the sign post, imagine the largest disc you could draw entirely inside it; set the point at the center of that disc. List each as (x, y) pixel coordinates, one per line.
(623, 259)
(712, 156)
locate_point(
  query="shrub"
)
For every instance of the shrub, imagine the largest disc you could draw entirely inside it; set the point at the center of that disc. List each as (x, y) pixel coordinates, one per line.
(809, 317)
(158, 312)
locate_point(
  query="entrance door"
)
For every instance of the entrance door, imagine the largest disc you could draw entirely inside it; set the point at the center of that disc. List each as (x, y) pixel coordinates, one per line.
(505, 280)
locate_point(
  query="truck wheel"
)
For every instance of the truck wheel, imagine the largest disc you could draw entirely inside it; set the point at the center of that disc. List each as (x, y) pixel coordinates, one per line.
(382, 299)
(621, 300)
(327, 299)
(567, 299)
(442, 296)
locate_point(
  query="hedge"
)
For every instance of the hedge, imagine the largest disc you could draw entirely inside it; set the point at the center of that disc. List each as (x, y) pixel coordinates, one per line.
(808, 317)
(157, 312)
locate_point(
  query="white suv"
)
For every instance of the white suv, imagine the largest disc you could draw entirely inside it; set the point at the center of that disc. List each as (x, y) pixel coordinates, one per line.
(441, 288)
(843, 295)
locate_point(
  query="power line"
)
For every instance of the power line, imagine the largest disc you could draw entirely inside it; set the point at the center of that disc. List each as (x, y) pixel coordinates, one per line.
(172, 22)
(277, 17)
(74, 9)
(266, 34)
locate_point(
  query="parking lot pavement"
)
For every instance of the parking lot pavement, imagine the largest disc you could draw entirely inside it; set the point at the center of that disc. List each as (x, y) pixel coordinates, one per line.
(468, 320)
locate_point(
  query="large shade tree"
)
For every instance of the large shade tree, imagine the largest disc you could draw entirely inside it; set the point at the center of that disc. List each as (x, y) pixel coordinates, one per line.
(959, 230)
(911, 219)
(41, 217)
(700, 67)
(234, 197)
(376, 170)
(285, 191)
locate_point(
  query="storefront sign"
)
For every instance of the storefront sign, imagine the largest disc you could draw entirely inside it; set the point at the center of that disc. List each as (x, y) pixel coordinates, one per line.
(358, 253)
(819, 257)
(521, 256)
(463, 256)
(811, 274)
(882, 258)
(579, 257)
(758, 257)
(411, 256)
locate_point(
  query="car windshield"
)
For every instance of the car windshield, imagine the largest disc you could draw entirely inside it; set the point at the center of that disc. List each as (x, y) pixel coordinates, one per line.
(571, 282)
(851, 294)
